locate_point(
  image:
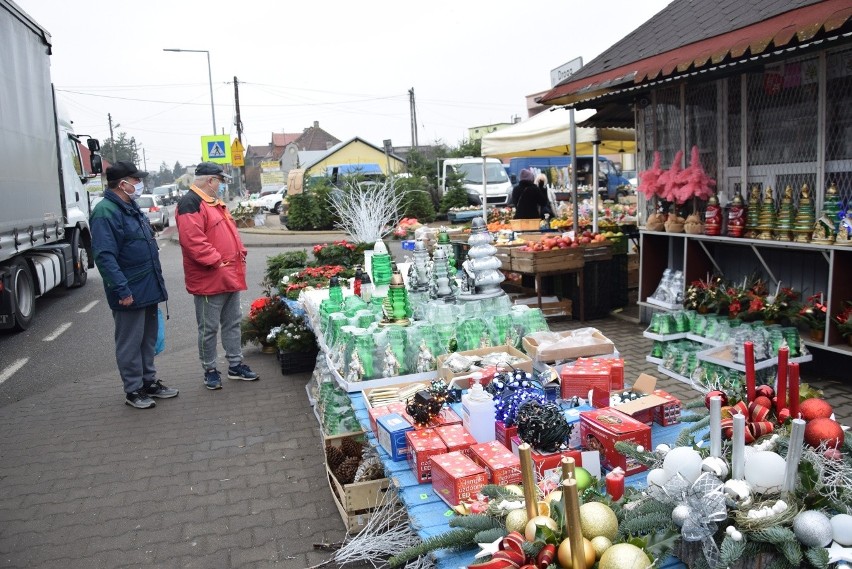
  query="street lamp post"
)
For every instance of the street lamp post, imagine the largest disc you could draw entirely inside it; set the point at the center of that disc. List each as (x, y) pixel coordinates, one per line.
(209, 78)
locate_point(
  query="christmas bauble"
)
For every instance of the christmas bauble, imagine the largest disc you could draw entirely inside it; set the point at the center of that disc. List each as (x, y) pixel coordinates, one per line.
(680, 514)
(715, 394)
(763, 401)
(516, 520)
(764, 471)
(601, 544)
(563, 554)
(841, 529)
(583, 478)
(514, 489)
(823, 430)
(598, 519)
(624, 556)
(815, 408)
(683, 460)
(812, 528)
(535, 523)
(555, 495)
(765, 391)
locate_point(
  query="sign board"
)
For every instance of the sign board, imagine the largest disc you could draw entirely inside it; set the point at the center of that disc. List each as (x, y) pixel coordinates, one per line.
(216, 149)
(237, 154)
(565, 71)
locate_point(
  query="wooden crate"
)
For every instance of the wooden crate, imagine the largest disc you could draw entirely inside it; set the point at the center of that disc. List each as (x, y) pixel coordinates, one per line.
(505, 256)
(601, 251)
(525, 224)
(541, 261)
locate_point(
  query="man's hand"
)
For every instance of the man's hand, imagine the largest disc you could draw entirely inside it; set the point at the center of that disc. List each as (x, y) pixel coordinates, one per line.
(224, 264)
(126, 301)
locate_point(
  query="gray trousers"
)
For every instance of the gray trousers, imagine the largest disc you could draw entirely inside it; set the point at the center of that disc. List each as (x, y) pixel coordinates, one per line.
(211, 313)
(135, 339)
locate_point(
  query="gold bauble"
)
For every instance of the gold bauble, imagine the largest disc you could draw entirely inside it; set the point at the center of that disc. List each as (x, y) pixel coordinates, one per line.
(598, 519)
(516, 520)
(563, 554)
(535, 523)
(601, 544)
(555, 495)
(544, 508)
(514, 489)
(624, 556)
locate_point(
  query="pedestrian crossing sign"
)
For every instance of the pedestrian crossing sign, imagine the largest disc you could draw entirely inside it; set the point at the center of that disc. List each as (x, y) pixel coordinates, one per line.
(216, 149)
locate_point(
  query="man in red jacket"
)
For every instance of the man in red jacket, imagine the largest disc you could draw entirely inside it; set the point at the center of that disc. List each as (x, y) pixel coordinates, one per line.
(214, 266)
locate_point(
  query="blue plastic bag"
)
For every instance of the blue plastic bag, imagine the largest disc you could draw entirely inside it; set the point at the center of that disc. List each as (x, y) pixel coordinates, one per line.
(161, 332)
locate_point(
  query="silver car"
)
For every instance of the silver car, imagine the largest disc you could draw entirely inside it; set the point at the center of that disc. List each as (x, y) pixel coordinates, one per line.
(155, 209)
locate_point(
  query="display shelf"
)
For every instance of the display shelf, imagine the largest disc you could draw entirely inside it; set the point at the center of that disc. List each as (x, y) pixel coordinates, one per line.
(657, 306)
(664, 305)
(703, 340)
(653, 360)
(721, 355)
(674, 375)
(664, 337)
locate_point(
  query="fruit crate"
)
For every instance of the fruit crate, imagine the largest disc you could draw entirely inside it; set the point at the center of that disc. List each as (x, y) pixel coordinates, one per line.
(542, 261)
(600, 251)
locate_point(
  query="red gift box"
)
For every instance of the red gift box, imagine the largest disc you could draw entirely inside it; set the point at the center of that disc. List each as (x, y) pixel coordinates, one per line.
(422, 446)
(500, 464)
(602, 428)
(376, 412)
(504, 434)
(591, 373)
(456, 438)
(456, 478)
(446, 417)
(548, 464)
(668, 413)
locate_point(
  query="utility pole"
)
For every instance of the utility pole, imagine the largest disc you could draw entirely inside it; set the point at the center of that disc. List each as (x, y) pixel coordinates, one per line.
(239, 124)
(111, 139)
(144, 161)
(413, 117)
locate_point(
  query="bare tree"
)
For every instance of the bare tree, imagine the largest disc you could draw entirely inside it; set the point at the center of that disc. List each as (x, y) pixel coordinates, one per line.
(367, 211)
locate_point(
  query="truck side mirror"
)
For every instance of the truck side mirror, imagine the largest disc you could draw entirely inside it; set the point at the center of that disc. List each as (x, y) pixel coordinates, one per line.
(93, 144)
(97, 165)
(617, 169)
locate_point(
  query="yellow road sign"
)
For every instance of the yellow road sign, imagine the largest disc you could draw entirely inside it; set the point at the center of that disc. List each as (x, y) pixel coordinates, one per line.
(237, 147)
(237, 160)
(216, 149)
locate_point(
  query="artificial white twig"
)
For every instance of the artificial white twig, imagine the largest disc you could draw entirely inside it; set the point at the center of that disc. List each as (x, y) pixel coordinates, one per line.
(367, 212)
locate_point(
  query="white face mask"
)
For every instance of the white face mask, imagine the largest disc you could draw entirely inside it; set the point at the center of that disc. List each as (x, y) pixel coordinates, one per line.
(137, 190)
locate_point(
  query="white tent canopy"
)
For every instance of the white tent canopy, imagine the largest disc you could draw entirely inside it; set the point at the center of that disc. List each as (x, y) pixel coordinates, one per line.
(549, 134)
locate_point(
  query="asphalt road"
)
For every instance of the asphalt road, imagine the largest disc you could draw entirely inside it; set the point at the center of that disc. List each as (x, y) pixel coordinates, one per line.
(72, 334)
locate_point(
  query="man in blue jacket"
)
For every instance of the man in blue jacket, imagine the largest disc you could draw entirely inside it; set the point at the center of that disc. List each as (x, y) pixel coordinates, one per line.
(128, 259)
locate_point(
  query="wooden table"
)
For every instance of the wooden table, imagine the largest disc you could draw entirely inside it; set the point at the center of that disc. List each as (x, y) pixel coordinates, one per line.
(580, 284)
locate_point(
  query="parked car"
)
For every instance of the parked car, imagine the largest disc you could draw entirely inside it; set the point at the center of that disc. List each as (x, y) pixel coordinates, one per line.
(168, 193)
(155, 209)
(272, 201)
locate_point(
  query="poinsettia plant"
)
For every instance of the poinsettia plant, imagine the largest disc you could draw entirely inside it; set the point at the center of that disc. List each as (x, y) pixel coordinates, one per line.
(312, 277)
(265, 313)
(843, 320)
(812, 313)
(336, 253)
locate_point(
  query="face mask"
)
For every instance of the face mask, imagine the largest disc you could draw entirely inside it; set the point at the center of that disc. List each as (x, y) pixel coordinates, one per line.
(137, 190)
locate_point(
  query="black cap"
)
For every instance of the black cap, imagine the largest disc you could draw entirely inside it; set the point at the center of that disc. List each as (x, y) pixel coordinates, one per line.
(123, 169)
(211, 169)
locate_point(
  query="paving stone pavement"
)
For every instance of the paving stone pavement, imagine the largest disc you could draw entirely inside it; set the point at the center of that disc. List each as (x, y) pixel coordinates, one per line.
(210, 479)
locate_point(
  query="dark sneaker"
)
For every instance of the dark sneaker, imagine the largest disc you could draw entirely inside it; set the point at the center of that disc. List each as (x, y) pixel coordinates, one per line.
(139, 399)
(242, 371)
(212, 379)
(160, 391)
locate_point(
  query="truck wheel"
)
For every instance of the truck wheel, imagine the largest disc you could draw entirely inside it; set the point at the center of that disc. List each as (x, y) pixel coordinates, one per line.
(23, 290)
(80, 258)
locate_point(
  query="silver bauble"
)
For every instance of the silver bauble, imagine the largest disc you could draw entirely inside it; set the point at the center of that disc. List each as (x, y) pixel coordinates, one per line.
(812, 528)
(680, 514)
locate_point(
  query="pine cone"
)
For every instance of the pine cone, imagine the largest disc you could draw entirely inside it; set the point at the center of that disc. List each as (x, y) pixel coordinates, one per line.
(351, 447)
(370, 469)
(345, 473)
(334, 457)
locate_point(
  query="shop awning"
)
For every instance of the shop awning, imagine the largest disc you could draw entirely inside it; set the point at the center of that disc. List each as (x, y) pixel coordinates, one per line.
(779, 31)
(549, 134)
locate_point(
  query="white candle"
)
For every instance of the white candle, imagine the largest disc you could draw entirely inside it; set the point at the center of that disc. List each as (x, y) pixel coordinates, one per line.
(738, 454)
(777, 290)
(794, 455)
(716, 426)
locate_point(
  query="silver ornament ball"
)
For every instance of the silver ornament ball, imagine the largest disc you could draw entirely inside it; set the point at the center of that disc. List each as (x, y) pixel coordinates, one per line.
(680, 514)
(812, 528)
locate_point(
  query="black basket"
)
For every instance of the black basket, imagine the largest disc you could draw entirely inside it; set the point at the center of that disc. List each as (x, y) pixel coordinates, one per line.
(297, 362)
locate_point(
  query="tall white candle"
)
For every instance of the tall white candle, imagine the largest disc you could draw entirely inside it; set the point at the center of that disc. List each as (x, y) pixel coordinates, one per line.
(777, 290)
(716, 426)
(794, 454)
(738, 454)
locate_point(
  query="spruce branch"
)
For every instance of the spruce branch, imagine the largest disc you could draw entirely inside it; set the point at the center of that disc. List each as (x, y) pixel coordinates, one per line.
(451, 540)
(817, 556)
(476, 522)
(645, 457)
(731, 551)
(490, 535)
(685, 436)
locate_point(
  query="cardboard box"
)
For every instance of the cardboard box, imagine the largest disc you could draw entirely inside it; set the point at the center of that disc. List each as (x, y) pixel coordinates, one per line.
(542, 351)
(376, 412)
(602, 428)
(572, 415)
(550, 305)
(667, 413)
(446, 417)
(644, 408)
(422, 446)
(447, 375)
(391, 436)
(456, 438)
(456, 478)
(504, 434)
(548, 465)
(585, 374)
(501, 466)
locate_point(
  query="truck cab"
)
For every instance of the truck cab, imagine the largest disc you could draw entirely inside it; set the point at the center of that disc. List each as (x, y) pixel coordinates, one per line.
(498, 187)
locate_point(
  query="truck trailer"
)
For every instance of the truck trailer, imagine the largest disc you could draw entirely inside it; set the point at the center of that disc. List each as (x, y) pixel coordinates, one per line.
(44, 231)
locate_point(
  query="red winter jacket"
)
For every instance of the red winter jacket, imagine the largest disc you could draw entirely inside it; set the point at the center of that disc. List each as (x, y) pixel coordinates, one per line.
(209, 238)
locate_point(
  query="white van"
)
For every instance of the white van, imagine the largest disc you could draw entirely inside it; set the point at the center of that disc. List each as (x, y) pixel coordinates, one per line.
(498, 187)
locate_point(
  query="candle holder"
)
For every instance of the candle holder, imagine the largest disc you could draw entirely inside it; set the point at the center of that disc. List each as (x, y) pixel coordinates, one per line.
(482, 276)
(381, 264)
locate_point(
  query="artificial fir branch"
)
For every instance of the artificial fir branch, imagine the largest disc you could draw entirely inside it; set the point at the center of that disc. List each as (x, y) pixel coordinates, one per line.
(775, 535)
(696, 404)
(645, 524)
(452, 539)
(731, 550)
(661, 543)
(495, 492)
(691, 418)
(645, 457)
(685, 437)
(476, 522)
(817, 556)
(490, 535)
(780, 563)
(792, 550)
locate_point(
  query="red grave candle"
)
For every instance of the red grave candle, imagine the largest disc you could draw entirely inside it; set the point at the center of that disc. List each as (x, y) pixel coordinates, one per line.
(781, 387)
(615, 483)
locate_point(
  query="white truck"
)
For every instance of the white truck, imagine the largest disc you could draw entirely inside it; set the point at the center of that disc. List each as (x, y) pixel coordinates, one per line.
(498, 187)
(44, 231)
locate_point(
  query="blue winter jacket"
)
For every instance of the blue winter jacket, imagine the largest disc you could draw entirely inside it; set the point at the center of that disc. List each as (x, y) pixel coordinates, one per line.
(126, 253)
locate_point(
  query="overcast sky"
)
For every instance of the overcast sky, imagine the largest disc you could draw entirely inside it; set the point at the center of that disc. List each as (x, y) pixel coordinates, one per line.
(348, 65)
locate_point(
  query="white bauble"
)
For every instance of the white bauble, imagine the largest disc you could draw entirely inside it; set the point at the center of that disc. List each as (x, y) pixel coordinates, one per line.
(716, 466)
(812, 528)
(841, 529)
(680, 514)
(764, 471)
(657, 477)
(683, 461)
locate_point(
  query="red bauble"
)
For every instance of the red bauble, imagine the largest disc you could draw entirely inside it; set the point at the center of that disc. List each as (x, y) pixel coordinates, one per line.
(783, 415)
(823, 430)
(765, 391)
(815, 408)
(763, 401)
(714, 394)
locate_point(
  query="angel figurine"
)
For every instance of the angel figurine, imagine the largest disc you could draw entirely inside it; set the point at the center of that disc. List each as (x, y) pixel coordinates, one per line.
(391, 364)
(425, 359)
(356, 368)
